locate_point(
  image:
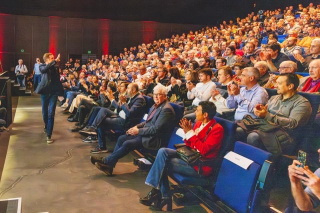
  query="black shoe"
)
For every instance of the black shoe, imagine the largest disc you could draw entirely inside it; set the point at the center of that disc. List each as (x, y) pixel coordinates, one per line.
(162, 202)
(153, 196)
(104, 168)
(76, 128)
(44, 130)
(95, 159)
(98, 150)
(88, 131)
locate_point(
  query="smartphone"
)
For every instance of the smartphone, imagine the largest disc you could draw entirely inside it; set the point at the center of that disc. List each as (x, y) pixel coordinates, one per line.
(302, 158)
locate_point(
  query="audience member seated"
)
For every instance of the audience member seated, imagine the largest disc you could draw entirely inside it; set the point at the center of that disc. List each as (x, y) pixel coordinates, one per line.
(312, 84)
(284, 113)
(206, 137)
(202, 91)
(244, 99)
(309, 198)
(273, 56)
(127, 115)
(237, 68)
(307, 40)
(249, 53)
(285, 67)
(230, 55)
(291, 47)
(86, 106)
(177, 91)
(151, 134)
(303, 63)
(162, 76)
(263, 68)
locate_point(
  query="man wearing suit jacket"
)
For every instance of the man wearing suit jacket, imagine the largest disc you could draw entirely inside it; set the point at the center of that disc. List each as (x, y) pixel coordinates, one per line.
(151, 134)
(50, 88)
(127, 115)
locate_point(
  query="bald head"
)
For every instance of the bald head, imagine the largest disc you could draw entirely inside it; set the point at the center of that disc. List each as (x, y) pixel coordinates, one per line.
(314, 69)
(288, 67)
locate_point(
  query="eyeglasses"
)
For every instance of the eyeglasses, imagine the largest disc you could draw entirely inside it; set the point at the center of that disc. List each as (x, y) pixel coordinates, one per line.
(281, 68)
(157, 94)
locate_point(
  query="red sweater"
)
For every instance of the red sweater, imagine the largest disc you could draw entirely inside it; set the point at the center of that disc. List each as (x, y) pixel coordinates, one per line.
(209, 148)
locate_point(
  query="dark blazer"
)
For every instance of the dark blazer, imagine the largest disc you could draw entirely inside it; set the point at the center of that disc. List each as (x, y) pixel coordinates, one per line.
(134, 111)
(50, 80)
(157, 131)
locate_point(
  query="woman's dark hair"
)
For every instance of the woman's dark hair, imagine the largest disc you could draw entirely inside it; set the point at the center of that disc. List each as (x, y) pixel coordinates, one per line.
(194, 64)
(233, 49)
(194, 76)
(208, 107)
(174, 72)
(112, 86)
(218, 51)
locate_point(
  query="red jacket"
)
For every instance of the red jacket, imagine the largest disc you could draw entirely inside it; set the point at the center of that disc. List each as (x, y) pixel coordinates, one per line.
(209, 148)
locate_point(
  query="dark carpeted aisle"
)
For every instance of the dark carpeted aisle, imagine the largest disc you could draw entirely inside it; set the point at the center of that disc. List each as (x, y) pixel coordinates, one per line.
(59, 177)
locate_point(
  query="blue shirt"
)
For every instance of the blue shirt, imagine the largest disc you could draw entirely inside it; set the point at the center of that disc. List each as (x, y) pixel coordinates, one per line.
(246, 101)
(36, 69)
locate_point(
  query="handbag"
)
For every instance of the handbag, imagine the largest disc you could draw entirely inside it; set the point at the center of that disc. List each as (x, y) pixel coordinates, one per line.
(189, 155)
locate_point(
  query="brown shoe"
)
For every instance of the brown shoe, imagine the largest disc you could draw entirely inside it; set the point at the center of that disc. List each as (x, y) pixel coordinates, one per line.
(95, 159)
(105, 168)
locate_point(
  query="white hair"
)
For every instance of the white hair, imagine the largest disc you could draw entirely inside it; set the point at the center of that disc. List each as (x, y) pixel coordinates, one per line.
(159, 87)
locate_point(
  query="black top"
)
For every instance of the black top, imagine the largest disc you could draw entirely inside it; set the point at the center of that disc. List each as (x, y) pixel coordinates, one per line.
(50, 80)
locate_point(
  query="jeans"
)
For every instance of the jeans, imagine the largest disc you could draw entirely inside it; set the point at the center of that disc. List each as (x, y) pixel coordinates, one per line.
(21, 80)
(167, 161)
(102, 114)
(36, 80)
(48, 102)
(71, 95)
(108, 124)
(125, 144)
(252, 138)
(93, 115)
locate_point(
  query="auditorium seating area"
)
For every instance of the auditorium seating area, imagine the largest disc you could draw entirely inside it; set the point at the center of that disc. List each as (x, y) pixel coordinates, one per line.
(175, 63)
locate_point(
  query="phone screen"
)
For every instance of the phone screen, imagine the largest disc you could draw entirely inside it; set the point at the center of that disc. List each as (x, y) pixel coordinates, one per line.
(302, 158)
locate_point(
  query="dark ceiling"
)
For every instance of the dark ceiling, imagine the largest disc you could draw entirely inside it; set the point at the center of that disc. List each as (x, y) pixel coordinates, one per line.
(170, 11)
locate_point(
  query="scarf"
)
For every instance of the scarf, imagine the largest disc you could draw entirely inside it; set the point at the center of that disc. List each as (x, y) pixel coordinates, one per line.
(306, 87)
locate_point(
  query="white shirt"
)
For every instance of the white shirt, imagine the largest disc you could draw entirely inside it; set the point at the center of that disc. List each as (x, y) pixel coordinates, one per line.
(202, 92)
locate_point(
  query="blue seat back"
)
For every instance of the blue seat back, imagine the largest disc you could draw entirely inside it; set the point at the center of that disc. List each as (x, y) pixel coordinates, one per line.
(271, 92)
(178, 111)
(235, 185)
(314, 100)
(149, 102)
(281, 38)
(229, 129)
(264, 40)
(174, 139)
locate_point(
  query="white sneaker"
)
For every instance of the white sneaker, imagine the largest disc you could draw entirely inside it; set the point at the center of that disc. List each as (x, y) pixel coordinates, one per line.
(49, 140)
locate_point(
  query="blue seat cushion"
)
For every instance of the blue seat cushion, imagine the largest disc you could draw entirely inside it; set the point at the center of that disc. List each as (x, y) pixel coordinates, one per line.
(246, 150)
(194, 181)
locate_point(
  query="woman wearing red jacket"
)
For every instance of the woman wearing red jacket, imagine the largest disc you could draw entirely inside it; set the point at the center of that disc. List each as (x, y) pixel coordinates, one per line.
(206, 137)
